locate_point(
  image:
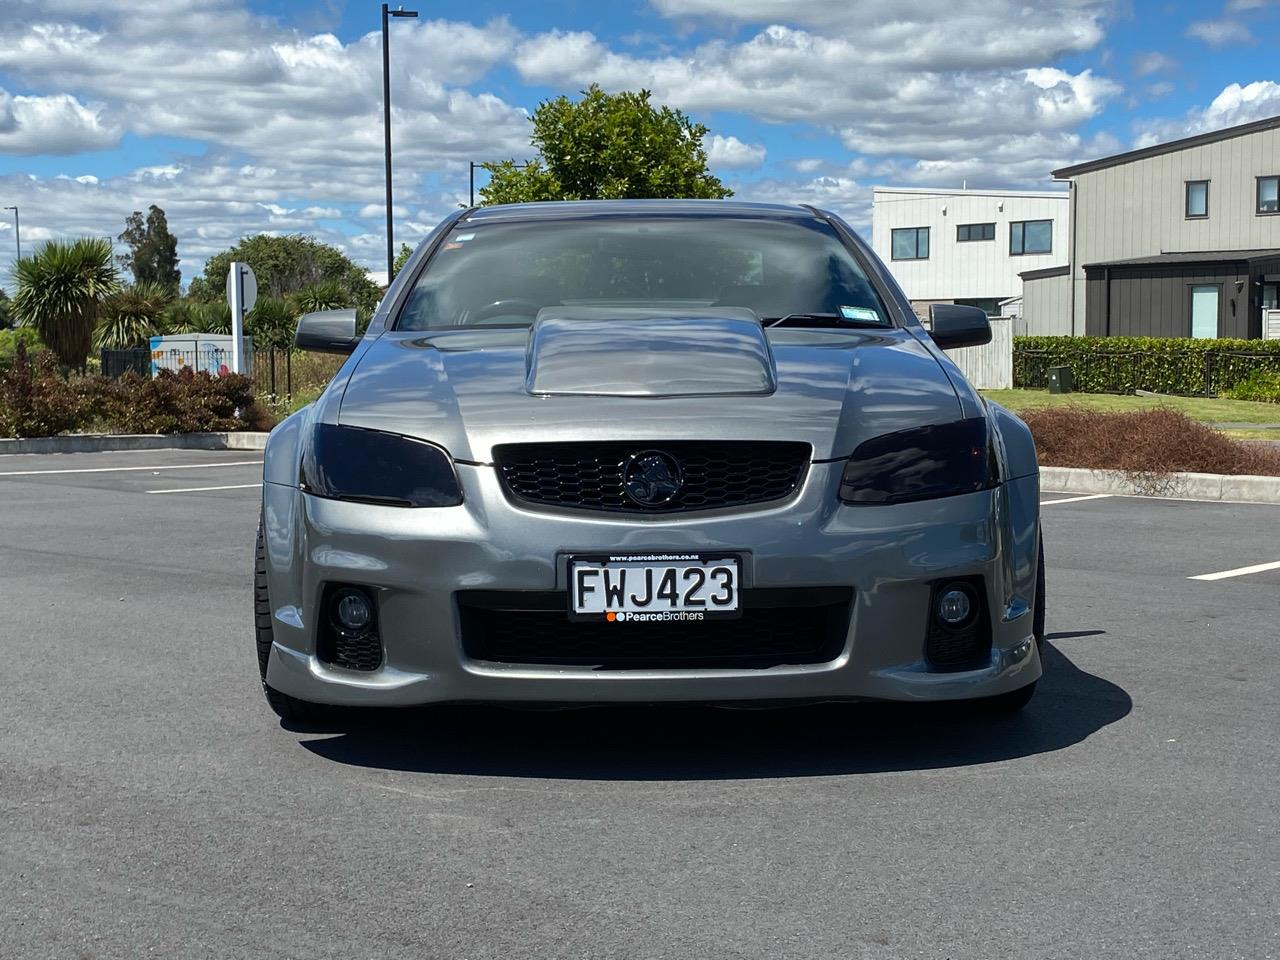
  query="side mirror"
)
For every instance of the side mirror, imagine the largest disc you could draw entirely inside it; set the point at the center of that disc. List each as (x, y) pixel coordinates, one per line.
(952, 325)
(327, 331)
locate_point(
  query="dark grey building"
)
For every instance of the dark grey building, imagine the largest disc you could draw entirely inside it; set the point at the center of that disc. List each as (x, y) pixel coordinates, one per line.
(1178, 239)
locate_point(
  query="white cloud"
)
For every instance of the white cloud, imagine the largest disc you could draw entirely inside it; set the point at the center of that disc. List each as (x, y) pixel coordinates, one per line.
(1145, 64)
(1220, 33)
(58, 124)
(1161, 88)
(1236, 104)
(932, 34)
(732, 152)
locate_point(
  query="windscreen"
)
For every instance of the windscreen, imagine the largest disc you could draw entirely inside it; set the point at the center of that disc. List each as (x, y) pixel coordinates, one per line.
(502, 274)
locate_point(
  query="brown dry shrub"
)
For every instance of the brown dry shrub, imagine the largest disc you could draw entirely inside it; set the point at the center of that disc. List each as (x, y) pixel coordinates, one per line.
(1146, 445)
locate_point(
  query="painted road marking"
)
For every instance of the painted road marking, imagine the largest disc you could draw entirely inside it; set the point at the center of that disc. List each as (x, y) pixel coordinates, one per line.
(1092, 496)
(1238, 571)
(229, 486)
(178, 466)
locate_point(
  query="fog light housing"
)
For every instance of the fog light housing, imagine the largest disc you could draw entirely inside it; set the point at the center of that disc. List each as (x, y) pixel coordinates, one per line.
(955, 606)
(351, 611)
(348, 635)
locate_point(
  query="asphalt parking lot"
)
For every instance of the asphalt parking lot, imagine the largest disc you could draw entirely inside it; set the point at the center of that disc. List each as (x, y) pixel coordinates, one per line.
(151, 805)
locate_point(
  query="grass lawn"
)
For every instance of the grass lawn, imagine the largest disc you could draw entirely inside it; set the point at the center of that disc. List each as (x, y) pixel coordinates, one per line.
(1198, 408)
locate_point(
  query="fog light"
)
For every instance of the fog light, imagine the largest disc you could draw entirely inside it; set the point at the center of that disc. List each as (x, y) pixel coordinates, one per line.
(954, 606)
(351, 610)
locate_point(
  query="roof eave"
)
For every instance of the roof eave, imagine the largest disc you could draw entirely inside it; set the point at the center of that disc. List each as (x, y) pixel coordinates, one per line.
(1143, 153)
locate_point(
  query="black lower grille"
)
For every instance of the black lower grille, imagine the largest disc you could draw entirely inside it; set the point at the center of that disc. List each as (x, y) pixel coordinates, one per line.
(363, 652)
(777, 627)
(590, 475)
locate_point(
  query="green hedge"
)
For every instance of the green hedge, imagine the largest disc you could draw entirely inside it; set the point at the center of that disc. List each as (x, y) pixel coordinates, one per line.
(1174, 365)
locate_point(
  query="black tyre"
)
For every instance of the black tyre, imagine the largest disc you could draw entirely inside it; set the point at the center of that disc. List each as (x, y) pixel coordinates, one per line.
(1006, 704)
(287, 708)
(1037, 623)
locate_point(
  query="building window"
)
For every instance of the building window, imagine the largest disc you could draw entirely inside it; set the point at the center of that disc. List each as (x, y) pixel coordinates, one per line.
(967, 232)
(991, 305)
(1197, 199)
(1030, 236)
(1204, 311)
(911, 243)
(1268, 195)
(1271, 296)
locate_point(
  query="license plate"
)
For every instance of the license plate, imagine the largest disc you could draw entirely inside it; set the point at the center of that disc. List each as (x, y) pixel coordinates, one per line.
(654, 587)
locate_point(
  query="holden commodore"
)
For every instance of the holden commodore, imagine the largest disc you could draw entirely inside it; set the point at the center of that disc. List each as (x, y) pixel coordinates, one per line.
(647, 451)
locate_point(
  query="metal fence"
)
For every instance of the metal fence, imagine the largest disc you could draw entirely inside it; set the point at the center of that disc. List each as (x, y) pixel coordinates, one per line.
(280, 373)
(1208, 374)
(116, 363)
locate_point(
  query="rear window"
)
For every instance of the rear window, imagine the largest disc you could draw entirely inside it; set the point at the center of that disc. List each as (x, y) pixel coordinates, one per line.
(502, 274)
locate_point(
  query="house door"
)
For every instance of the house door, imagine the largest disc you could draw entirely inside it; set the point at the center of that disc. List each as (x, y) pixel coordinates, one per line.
(1204, 311)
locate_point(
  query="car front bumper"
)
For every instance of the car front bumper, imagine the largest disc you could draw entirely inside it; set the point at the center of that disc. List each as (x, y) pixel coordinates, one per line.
(417, 561)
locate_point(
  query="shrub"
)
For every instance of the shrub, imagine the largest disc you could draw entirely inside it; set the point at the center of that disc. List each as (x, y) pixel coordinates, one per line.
(1145, 445)
(183, 402)
(1263, 385)
(1174, 365)
(35, 401)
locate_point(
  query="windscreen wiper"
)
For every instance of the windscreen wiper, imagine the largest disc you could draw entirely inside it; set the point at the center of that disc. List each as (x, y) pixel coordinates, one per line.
(820, 320)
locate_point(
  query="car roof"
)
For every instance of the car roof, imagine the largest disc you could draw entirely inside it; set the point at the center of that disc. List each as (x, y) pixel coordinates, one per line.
(559, 209)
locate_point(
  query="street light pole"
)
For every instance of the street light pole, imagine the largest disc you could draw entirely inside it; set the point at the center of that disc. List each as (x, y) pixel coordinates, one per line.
(17, 230)
(387, 12)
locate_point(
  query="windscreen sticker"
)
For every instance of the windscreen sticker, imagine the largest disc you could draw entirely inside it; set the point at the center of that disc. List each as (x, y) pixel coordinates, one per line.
(463, 237)
(860, 313)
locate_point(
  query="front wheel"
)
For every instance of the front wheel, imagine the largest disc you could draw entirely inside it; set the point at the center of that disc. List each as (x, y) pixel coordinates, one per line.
(287, 708)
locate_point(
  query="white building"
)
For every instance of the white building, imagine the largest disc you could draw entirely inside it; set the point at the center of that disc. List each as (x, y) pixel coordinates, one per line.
(967, 246)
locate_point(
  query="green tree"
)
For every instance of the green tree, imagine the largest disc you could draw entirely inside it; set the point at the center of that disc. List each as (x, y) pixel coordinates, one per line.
(402, 257)
(286, 265)
(271, 323)
(153, 250)
(61, 289)
(131, 317)
(6, 321)
(607, 147)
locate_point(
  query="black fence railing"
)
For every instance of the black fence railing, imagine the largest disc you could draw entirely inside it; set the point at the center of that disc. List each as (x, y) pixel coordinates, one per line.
(116, 363)
(1208, 374)
(279, 373)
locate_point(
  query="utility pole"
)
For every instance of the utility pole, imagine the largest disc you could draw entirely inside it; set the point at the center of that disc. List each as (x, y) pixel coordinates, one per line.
(387, 13)
(17, 230)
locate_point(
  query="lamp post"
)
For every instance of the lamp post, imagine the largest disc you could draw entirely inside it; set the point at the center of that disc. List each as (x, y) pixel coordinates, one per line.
(17, 230)
(387, 12)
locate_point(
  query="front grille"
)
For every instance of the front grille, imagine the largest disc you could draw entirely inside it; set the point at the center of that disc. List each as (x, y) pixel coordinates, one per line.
(777, 627)
(589, 475)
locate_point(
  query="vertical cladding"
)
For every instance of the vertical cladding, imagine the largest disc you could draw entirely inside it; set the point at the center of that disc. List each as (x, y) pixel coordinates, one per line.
(1155, 301)
(1137, 209)
(965, 269)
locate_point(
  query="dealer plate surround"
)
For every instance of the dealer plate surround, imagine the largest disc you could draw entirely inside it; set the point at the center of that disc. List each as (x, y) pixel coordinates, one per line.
(652, 587)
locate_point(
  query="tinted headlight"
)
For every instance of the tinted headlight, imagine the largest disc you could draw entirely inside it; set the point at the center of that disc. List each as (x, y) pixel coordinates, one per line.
(352, 463)
(942, 460)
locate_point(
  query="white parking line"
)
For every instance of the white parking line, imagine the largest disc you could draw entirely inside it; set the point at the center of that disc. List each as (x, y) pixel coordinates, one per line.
(1092, 496)
(177, 466)
(229, 486)
(1238, 571)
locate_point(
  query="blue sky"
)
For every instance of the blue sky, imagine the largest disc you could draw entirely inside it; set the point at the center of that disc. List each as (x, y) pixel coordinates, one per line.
(242, 116)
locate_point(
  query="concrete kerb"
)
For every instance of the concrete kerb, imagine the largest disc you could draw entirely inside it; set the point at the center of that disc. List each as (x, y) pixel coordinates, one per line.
(103, 443)
(1189, 486)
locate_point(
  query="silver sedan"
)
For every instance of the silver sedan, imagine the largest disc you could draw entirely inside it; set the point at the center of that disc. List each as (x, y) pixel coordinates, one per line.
(642, 451)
